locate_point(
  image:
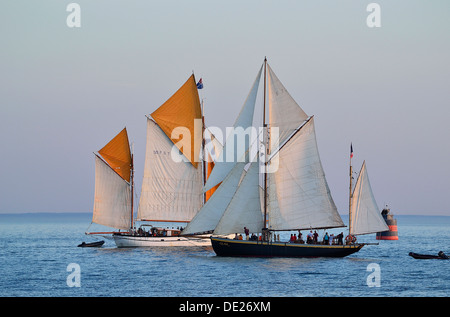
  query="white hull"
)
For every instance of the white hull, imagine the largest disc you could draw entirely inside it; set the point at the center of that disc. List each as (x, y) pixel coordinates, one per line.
(124, 241)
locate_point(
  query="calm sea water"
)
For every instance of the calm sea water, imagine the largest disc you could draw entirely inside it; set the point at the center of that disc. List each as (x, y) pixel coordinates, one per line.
(37, 249)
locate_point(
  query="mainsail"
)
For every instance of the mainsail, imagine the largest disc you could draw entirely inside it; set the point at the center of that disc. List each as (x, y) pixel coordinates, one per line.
(365, 216)
(298, 193)
(113, 201)
(172, 189)
(299, 197)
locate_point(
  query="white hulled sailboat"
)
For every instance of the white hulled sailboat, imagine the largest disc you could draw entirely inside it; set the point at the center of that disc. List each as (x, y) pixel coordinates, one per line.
(171, 190)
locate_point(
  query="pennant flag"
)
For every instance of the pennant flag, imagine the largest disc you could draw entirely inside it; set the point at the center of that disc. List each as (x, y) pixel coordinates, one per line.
(200, 84)
(351, 150)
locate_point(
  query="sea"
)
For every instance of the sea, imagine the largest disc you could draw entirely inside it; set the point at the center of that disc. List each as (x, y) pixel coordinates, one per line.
(39, 257)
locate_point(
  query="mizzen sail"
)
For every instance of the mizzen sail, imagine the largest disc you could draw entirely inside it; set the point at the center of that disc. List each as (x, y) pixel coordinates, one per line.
(112, 201)
(365, 217)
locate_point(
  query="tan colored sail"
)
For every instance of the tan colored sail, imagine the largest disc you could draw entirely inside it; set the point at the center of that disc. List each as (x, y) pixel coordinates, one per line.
(181, 110)
(210, 167)
(117, 154)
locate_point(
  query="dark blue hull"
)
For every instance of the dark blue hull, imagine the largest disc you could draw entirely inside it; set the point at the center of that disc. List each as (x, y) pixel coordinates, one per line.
(246, 248)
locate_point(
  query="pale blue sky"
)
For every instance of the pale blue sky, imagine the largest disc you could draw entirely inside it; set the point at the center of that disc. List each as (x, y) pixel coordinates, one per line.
(65, 92)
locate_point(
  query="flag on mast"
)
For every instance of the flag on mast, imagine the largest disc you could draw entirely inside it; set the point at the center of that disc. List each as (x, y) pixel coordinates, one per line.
(200, 84)
(351, 150)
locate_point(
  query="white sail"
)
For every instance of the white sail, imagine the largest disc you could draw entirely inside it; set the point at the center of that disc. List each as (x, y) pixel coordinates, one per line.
(244, 209)
(365, 215)
(299, 197)
(208, 217)
(112, 202)
(171, 191)
(232, 152)
(284, 112)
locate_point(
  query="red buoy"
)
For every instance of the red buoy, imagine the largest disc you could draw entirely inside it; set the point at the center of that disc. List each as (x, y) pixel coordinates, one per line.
(392, 234)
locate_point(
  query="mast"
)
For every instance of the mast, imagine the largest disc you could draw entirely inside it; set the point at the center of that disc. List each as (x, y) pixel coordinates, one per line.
(350, 192)
(132, 187)
(265, 151)
(203, 152)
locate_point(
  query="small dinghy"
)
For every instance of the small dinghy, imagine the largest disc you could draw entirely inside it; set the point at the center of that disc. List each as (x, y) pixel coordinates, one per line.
(441, 256)
(91, 244)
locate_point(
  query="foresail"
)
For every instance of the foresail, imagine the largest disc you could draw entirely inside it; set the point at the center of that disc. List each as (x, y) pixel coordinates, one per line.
(208, 217)
(180, 111)
(171, 190)
(244, 209)
(112, 201)
(299, 196)
(284, 112)
(365, 216)
(118, 155)
(232, 152)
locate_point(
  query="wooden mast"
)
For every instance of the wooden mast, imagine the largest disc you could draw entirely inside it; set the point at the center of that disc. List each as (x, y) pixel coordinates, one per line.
(132, 188)
(203, 152)
(350, 193)
(265, 237)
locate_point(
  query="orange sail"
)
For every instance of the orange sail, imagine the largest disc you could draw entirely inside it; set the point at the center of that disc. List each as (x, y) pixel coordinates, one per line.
(118, 155)
(181, 110)
(210, 167)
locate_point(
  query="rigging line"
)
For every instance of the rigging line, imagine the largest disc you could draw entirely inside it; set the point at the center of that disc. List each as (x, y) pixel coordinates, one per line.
(289, 138)
(87, 230)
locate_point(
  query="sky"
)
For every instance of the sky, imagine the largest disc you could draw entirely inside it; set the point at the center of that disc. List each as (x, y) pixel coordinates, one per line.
(66, 91)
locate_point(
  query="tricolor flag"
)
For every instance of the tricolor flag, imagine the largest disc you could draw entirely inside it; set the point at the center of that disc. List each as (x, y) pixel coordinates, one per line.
(351, 150)
(200, 84)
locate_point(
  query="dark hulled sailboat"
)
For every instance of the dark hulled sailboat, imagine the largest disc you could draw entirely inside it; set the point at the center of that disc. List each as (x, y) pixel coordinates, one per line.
(294, 195)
